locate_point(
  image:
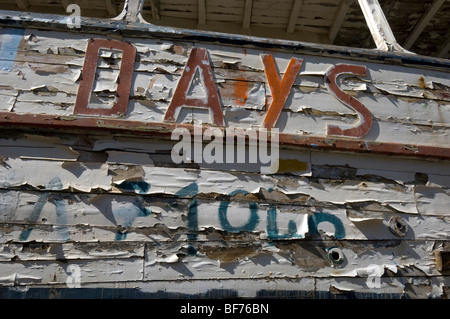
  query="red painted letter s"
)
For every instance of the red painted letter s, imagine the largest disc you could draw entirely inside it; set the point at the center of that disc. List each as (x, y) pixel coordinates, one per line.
(365, 117)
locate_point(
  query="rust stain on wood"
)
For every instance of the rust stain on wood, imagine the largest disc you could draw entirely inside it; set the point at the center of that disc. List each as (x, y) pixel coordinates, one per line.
(442, 260)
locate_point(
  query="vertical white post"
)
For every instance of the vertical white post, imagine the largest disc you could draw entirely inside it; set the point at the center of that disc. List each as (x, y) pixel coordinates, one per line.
(379, 26)
(131, 11)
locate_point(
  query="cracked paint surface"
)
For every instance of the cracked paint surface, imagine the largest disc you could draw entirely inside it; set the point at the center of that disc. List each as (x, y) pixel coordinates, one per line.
(112, 207)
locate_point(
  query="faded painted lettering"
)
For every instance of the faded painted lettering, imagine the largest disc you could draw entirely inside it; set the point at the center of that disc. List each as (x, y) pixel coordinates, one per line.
(248, 226)
(279, 89)
(197, 89)
(9, 43)
(196, 72)
(365, 117)
(88, 76)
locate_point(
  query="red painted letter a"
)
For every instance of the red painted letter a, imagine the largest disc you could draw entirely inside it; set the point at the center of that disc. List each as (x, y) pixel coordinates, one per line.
(197, 64)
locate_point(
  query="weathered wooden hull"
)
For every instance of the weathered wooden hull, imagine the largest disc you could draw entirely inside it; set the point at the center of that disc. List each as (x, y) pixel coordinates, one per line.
(92, 201)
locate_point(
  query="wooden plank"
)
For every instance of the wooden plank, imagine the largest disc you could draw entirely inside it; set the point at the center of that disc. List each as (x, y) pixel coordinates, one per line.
(143, 128)
(52, 217)
(244, 288)
(64, 69)
(70, 251)
(201, 12)
(340, 16)
(148, 179)
(296, 7)
(247, 14)
(48, 272)
(420, 26)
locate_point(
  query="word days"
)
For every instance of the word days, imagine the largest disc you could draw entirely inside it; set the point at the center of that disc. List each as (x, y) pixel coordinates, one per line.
(198, 66)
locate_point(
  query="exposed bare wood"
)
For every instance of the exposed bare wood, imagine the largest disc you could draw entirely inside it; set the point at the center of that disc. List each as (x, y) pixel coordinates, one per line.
(442, 260)
(155, 9)
(340, 17)
(247, 14)
(296, 6)
(201, 12)
(423, 22)
(379, 27)
(22, 4)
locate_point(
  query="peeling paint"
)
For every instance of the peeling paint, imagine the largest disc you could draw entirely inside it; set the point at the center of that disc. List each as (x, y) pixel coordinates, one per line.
(91, 198)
